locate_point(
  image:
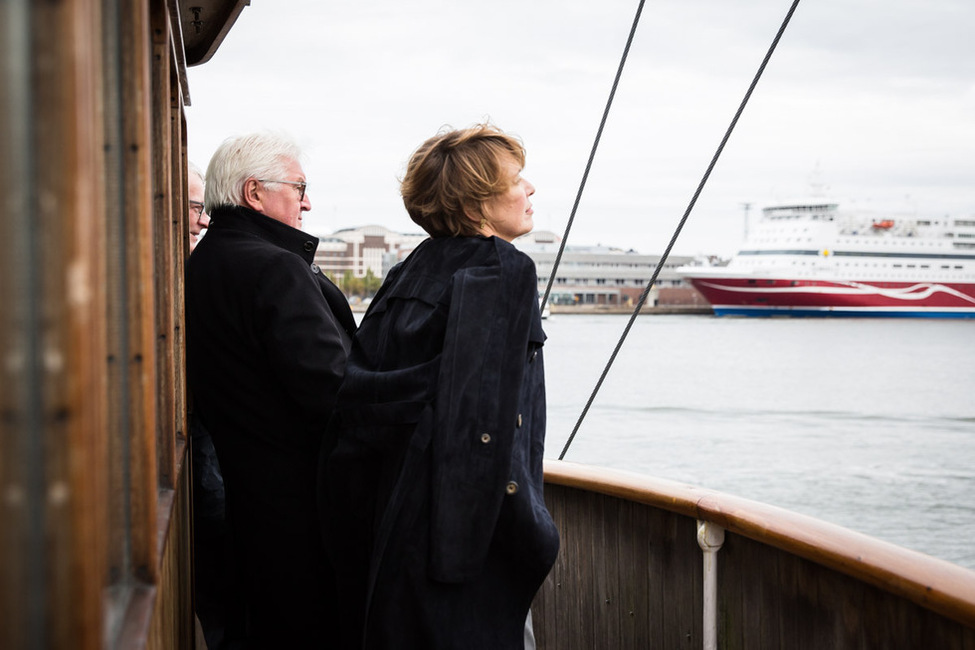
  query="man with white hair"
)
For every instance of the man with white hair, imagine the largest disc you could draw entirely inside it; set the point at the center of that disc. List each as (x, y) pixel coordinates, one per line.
(267, 335)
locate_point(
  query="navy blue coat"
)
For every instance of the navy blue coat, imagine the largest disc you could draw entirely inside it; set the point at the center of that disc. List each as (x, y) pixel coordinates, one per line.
(267, 337)
(434, 474)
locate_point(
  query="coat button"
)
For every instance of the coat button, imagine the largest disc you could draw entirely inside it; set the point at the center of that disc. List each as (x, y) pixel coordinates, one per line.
(534, 354)
(485, 438)
(309, 246)
(519, 420)
(315, 269)
(511, 487)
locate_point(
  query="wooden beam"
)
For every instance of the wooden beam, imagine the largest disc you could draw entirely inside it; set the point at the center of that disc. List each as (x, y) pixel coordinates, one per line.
(139, 235)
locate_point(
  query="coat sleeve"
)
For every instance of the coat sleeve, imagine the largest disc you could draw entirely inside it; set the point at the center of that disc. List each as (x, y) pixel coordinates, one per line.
(303, 339)
(481, 373)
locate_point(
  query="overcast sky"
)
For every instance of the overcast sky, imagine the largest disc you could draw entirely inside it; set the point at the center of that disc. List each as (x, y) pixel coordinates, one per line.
(872, 99)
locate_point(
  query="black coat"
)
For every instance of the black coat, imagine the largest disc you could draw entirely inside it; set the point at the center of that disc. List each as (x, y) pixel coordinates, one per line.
(267, 337)
(435, 478)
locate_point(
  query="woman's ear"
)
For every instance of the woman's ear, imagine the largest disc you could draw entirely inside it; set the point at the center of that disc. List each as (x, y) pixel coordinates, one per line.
(473, 213)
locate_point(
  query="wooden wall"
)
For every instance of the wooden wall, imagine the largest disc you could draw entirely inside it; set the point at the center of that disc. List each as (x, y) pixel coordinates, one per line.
(94, 544)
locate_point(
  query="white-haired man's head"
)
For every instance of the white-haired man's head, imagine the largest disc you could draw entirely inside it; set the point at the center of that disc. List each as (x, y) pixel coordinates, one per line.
(261, 171)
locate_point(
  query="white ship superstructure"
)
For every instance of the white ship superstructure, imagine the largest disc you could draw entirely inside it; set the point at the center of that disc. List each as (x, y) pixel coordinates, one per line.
(811, 258)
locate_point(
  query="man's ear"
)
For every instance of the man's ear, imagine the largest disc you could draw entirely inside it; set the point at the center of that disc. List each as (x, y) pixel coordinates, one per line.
(252, 194)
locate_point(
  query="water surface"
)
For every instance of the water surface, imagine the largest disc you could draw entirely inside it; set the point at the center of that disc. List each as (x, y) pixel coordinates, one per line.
(869, 424)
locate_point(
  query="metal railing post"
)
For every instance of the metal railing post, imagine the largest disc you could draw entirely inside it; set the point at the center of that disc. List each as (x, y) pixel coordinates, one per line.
(710, 537)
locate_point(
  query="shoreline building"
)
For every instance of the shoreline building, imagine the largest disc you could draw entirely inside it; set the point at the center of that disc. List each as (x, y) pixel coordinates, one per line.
(588, 275)
(362, 249)
(606, 276)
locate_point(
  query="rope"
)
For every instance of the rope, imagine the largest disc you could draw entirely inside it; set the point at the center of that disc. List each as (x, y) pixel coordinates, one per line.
(592, 154)
(680, 226)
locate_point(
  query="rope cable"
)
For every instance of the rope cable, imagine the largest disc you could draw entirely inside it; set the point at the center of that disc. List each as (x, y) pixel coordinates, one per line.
(680, 226)
(592, 155)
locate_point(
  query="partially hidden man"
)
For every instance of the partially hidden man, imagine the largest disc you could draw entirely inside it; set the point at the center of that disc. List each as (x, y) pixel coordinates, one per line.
(267, 337)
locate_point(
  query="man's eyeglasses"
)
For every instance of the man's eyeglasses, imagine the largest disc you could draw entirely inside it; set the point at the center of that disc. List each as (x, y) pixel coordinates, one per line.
(197, 207)
(299, 185)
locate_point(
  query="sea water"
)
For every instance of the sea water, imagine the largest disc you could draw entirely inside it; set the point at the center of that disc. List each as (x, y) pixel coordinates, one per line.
(865, 423)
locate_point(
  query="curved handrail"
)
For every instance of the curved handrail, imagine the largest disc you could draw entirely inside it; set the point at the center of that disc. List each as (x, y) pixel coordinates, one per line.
(938, 585)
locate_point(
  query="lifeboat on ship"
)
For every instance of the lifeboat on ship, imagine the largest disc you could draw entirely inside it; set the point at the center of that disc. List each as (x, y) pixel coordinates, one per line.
(886, 224)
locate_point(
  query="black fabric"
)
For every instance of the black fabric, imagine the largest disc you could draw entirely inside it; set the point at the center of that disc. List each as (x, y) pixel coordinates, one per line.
(442, 409)
(218, 602)
(267, 337)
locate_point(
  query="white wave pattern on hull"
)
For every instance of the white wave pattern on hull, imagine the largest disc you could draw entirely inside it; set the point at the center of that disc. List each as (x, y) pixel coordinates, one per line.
(920, 291)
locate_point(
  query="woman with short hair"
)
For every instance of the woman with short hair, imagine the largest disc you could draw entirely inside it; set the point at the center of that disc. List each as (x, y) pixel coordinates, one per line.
(431, 482)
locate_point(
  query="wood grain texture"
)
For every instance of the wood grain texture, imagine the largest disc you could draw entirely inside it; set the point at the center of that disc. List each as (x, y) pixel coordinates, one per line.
(784, 580)
(94, 540)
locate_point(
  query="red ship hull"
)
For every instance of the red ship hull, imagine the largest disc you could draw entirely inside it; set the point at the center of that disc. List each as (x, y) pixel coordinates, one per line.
(765, 297)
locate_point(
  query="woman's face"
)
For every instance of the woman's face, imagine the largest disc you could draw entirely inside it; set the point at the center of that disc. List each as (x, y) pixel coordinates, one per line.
(509, 215)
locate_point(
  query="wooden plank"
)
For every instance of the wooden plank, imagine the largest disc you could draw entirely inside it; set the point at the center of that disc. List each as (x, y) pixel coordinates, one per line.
(172, 624)
(179, 204)
(140, 355)
(578, 578)
(565, 620)
(679, 568)
(66, 63)
(634, 542)
(164, 177)
(660, 592)
(608, 570)
(731, 608)
(760, 589)
(545, 608)
(791, 613)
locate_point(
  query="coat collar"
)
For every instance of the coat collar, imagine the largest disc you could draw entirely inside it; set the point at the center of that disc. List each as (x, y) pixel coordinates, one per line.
(235, 217)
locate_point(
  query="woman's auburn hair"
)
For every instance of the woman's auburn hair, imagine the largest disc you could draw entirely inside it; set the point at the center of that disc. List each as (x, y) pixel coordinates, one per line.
(451, 175)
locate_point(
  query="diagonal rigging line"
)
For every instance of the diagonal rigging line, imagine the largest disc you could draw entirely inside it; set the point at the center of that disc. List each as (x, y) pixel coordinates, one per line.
(592, 154)
(680, 226)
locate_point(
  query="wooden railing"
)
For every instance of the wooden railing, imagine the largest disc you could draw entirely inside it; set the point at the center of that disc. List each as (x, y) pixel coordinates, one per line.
(629, 574)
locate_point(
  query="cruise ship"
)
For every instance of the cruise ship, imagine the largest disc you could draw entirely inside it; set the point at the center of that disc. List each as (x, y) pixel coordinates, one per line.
(809, 258)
